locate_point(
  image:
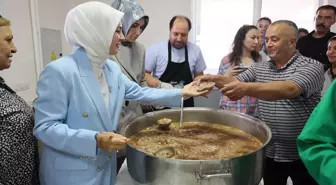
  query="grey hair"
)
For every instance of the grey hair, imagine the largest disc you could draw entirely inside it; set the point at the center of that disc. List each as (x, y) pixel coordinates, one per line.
(288, 23)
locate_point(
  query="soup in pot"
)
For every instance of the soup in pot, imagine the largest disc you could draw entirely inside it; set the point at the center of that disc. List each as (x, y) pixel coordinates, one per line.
(195, 141)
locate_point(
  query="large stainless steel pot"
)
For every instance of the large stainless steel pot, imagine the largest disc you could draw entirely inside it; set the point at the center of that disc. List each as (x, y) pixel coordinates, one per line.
(245, 170)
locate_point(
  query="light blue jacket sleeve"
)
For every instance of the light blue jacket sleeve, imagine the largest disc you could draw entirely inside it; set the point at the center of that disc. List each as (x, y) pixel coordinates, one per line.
(51, 108)
(146, 95)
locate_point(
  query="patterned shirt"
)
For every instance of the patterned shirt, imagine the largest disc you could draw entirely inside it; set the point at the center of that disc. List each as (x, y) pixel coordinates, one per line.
(246, 105)
(287, 117)
(19, 159)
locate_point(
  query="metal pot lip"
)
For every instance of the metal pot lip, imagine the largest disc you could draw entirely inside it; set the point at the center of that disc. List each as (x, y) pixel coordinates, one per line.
(197, 161)
(257, 121)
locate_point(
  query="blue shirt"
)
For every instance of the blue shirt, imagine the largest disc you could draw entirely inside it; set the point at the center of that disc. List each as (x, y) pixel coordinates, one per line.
(157, 58)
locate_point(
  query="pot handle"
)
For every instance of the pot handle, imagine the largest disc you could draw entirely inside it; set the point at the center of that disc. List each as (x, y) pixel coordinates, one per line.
(225, 172)
(202, 176)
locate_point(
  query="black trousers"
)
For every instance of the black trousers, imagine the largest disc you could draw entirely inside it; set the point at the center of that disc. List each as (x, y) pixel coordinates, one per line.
(120, 161)
(276, 173)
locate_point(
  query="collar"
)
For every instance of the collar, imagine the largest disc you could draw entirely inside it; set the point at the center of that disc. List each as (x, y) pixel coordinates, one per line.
(2, 80)
(328, 34)
(331, 74)
(126, 43)
(82, 60)
(290, 61)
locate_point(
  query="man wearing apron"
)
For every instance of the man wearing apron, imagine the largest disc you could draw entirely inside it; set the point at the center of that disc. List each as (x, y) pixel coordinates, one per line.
(178, 74)
(174, 63)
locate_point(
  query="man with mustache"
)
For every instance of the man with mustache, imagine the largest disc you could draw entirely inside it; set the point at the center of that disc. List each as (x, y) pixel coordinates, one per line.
(315, 44)
(176, 62)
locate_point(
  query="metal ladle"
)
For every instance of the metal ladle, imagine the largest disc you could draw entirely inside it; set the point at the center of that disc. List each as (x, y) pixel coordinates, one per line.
(164, 123)
(169, 152)
(181, 112)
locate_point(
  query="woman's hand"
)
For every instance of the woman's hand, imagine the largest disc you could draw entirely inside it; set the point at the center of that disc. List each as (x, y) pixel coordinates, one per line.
(110, 141)
(233, 70)
(191, 90)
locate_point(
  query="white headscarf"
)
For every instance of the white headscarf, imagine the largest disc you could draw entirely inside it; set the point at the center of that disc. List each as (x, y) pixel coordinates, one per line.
(91, 25)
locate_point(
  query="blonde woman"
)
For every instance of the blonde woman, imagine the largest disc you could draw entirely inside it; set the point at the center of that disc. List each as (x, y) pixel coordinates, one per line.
(18, 146)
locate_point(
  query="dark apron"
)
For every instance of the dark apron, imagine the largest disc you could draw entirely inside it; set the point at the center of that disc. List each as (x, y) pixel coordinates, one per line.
(178, 74)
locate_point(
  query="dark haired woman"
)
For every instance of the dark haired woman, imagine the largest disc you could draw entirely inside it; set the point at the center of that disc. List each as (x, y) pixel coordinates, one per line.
(244, 53)
(330, 73)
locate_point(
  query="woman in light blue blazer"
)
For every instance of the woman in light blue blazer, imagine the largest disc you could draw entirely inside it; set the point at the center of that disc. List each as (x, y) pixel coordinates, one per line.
(80, 97)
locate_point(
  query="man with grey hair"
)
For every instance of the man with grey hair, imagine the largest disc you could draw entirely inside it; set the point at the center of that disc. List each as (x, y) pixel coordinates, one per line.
(287, 88)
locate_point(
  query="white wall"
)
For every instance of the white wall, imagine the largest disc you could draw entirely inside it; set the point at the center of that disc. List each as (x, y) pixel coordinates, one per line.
(23, 65)
(52, 15)
(158, 27)
(331, 2)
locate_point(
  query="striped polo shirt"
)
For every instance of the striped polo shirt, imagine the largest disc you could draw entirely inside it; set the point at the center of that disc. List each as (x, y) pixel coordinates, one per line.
(287, 118)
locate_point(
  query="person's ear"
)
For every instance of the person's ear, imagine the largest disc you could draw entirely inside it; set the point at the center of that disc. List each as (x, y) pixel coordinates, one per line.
(292, 42)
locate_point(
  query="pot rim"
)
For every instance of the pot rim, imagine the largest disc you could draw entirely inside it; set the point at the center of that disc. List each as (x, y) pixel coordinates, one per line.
(257, 121)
